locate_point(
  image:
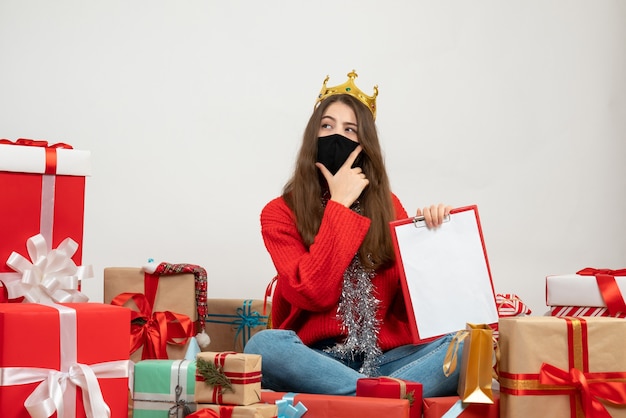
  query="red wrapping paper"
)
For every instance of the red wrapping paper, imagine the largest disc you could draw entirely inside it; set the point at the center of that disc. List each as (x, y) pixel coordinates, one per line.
(385, 387)
(39, 200)
(323, 406)
(29, 338)
(439, 406)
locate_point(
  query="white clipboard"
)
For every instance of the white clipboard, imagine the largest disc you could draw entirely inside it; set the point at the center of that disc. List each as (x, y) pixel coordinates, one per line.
(445, 274)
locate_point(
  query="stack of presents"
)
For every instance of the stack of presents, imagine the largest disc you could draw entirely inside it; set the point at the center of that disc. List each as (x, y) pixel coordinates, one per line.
(158, 347)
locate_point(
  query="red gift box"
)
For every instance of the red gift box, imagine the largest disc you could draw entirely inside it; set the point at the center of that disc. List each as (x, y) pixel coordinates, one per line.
(387, 387)
(323, 406)
(71, 350)
(43, 187)
(439, 406)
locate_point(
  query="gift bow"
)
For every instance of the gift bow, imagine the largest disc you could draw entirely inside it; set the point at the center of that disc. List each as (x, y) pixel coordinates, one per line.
(246, 322)
(180, 405)
(57, 387)
(608, 287)
(154, 330)
(286, 408)
(49, 277)
(591, 386)
(34, 143)
(4, 295)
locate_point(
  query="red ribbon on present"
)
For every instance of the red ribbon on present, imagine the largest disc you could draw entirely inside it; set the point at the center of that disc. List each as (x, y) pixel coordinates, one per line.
(204, 413)
(154, 330)
(235, 378)
(51, 150)
(608, 287)
(590, 386)
(584, 388)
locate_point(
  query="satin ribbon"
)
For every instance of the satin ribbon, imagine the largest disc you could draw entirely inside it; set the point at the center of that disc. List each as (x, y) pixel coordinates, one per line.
(34, 143)
(451, 358)
(4, 295)
(245, 320)
(455, 410)
(56, 391)
(577, 383)
(50, 149)
(204, 413)
(154, 330)
(608, 287)
(591, 386)
(235, 378)
(49, 276)
(287, 409)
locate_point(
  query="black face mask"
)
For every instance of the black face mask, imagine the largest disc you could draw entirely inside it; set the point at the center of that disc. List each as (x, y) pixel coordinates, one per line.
(333, 151)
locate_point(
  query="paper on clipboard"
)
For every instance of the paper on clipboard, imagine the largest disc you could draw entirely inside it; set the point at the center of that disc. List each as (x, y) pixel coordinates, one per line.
(445, 274)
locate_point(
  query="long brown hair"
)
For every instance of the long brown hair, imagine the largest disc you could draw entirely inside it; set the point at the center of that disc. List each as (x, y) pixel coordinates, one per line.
(304, 190)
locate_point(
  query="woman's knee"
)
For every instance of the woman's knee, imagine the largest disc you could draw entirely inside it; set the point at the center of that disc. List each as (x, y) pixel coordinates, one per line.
(269, 341)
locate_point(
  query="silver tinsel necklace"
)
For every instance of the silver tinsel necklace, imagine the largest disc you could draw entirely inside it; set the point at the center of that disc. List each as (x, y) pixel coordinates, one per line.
(357, 310)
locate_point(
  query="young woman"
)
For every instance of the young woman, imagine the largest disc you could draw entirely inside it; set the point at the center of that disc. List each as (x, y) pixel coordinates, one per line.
(337, 310)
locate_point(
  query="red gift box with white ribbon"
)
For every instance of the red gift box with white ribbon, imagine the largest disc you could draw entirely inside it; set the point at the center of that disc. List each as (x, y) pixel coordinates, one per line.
(43, 191)
(63, 359)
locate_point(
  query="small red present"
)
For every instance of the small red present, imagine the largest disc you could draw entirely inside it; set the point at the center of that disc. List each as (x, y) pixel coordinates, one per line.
(323, 406)
(389, 387)
(60, 358)
(452, 406)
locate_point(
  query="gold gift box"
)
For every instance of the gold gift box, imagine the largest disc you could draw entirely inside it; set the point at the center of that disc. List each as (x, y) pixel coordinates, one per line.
(175, 293)
(258, 410)
(588, 348)
(241, 371)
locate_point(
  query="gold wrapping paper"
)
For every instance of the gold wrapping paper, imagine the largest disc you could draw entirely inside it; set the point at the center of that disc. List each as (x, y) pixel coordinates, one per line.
(258, 410)
(528, 342)
(242, 370)
(231, 322)
(175, 293)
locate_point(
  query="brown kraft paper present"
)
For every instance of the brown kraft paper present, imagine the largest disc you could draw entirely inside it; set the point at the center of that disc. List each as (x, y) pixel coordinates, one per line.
(562, 367)
(175, 293)
(231, 322)
(228, 378)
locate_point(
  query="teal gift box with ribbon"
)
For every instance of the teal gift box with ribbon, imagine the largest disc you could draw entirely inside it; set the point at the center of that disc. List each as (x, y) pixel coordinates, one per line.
(231, 322)
(164, 388)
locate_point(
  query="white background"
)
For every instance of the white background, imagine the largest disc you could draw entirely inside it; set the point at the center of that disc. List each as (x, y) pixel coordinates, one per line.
(193, 111)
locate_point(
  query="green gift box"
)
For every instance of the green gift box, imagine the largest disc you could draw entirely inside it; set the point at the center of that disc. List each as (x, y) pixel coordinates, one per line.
(164, 388)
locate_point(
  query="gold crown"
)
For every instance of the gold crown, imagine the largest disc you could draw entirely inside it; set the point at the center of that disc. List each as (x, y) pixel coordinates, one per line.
(349, 88)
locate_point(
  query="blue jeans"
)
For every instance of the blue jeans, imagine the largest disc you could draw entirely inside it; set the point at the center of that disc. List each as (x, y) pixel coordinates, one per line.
(290, 366)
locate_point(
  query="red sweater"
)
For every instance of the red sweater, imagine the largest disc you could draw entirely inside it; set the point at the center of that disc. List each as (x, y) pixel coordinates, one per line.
(309, 281)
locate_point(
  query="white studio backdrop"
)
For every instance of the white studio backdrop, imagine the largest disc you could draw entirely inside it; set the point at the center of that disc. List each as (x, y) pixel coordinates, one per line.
(193, 111)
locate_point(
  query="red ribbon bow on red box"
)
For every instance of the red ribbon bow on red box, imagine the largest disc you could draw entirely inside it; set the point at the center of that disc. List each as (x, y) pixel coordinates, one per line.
(608, 287)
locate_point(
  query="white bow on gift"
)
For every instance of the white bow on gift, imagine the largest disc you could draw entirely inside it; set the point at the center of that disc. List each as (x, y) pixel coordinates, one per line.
(49, 277)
